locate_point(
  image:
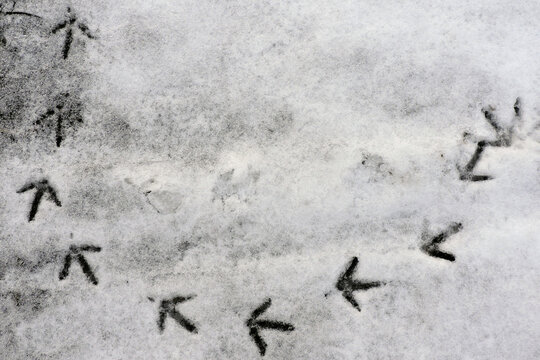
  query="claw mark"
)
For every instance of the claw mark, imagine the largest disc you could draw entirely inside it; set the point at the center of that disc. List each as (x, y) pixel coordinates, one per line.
(168, 307)
(66, 110)
(255, 325)
(69, 24)
(75, 252)
(41, 187)
(503, 139)
(13, 12)
(347, 285)
(432, 247)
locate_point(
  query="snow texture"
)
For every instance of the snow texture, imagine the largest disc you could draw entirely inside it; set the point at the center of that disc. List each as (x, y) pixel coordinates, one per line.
(229, 152)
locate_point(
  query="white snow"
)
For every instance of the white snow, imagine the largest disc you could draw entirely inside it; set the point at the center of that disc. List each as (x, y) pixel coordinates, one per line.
(244, 150)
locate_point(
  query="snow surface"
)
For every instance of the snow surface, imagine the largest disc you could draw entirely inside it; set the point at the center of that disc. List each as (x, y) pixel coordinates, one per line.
(244, 150)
